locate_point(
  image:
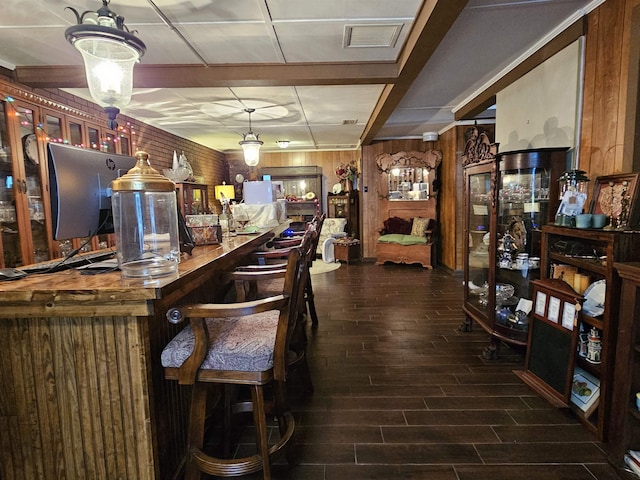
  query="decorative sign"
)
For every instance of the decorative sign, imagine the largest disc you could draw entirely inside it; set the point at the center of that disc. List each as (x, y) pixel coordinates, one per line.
(551, 348)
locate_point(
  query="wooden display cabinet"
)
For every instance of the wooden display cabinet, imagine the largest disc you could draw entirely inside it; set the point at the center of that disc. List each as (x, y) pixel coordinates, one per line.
(624, 418)
(345, 205)
(591, 253)
(507, 201)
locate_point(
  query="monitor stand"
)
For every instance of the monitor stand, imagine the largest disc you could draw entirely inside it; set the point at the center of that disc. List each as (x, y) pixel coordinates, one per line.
(186, 240)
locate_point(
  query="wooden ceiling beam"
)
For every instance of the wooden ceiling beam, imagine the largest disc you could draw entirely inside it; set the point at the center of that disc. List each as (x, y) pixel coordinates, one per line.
(190, 76)
(430, 27)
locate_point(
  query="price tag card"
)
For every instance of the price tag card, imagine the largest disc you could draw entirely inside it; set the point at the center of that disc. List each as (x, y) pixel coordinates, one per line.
(568, 316)
(480, 210)
(554, 309)
(541, 303)
(533, 207)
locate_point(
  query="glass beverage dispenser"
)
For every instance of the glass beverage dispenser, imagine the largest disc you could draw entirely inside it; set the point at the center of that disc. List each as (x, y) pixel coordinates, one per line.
(145, 217)
(573, 194)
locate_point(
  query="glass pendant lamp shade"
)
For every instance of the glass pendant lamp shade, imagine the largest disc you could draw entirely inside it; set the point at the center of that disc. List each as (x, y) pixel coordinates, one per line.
(250, 144)
(109, 68)
(109, 52)
(251, 147)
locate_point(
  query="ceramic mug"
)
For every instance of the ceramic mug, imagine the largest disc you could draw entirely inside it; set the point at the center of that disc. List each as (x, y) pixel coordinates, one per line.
(599, 220)
(583, 220)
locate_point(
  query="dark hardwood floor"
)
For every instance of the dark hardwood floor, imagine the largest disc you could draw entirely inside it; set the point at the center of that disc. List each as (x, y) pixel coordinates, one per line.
(401, 393)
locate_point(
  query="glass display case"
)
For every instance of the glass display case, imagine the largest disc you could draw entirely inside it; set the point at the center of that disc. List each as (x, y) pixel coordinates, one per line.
(507, 200)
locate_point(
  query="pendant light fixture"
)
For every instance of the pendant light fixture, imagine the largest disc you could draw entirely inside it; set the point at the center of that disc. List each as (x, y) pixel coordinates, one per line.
(109, 52)
(250, 144)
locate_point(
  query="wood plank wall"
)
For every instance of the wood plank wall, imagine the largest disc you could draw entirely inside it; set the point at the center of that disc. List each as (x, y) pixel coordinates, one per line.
(84, 384)
(610, 109)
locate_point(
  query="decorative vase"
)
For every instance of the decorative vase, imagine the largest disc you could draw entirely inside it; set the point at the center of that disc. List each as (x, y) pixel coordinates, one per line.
(347, 185)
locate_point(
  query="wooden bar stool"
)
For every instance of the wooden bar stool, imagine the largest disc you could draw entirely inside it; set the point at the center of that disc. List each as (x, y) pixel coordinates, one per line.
(237, 344)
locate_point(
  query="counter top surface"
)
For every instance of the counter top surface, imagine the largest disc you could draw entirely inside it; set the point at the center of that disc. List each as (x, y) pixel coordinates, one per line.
(68, 291)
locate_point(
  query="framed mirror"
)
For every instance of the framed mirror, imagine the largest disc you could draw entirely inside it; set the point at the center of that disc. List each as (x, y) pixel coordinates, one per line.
(408, 175)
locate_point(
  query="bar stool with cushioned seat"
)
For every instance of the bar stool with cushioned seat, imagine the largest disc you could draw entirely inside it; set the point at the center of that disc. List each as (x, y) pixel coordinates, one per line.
(237, 344)
(261, 281)
(264, 257)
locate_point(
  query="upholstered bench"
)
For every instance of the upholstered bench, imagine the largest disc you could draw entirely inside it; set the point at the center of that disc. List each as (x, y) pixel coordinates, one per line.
(406, 241)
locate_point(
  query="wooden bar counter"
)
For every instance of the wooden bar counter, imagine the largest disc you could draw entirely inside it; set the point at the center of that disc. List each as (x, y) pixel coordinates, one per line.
(82, 391)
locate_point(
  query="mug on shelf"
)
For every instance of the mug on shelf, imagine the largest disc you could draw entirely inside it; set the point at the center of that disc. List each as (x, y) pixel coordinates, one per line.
(583, 220)
(599, 220)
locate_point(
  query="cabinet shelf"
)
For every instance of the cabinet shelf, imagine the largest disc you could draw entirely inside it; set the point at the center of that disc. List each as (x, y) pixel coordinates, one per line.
(589, 421)
(584, 264)
(592, 321)
(592, 368)
(625, 417)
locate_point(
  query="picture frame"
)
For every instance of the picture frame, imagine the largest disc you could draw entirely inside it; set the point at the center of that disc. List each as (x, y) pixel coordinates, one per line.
(607, 198)
(585, 391)
(278, 188)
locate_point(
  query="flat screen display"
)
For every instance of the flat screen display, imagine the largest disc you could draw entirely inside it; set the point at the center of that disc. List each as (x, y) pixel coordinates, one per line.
(80, 189)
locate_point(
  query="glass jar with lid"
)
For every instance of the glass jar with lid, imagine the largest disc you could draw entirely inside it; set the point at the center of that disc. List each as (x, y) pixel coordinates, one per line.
(145, 217)
(573, 194)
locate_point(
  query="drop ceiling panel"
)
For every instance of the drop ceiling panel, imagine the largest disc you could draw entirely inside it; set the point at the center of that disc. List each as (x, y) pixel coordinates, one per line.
(140, 12)
(339, 9)
(342, 102)
(46, 47)
(229, 43)
(329, 136)
(323, 42)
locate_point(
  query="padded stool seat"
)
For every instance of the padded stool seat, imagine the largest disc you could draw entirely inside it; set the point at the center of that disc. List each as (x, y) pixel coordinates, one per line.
(241, 344)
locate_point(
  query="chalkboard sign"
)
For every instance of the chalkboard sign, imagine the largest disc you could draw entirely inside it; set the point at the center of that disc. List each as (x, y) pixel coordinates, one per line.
(550, 355)
(552, 340)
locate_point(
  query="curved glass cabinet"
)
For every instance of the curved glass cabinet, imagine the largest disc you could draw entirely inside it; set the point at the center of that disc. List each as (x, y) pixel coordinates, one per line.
(507, 201)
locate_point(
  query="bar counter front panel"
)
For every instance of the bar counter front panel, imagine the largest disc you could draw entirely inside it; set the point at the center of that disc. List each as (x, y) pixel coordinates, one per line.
(82, 390)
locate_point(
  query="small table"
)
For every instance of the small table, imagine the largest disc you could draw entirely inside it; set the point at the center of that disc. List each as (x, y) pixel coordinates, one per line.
(346, 250)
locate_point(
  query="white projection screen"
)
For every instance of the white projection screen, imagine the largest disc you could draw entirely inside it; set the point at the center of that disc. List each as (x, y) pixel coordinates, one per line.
(541, 109)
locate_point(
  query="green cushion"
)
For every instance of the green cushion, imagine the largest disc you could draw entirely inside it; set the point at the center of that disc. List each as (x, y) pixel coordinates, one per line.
(402, 239)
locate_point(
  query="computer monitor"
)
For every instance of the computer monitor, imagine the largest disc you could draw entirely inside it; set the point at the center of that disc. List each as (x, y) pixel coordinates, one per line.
(80, 189)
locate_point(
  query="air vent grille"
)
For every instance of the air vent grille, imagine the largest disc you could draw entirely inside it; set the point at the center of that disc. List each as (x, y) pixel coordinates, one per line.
(360, 36)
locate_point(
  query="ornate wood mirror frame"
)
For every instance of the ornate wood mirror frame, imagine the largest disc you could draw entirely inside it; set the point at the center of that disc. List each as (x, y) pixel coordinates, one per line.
(408, 175)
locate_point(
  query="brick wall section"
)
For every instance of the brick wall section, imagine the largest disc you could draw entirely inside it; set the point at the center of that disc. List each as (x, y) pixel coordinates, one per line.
(159, 144)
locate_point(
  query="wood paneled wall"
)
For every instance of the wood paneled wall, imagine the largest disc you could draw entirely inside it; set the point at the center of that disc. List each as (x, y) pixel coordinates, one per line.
(610, 106)
(372, 206)
(451, 198)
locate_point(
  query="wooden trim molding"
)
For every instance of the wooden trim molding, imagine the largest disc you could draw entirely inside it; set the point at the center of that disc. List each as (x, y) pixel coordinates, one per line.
(9, 89)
